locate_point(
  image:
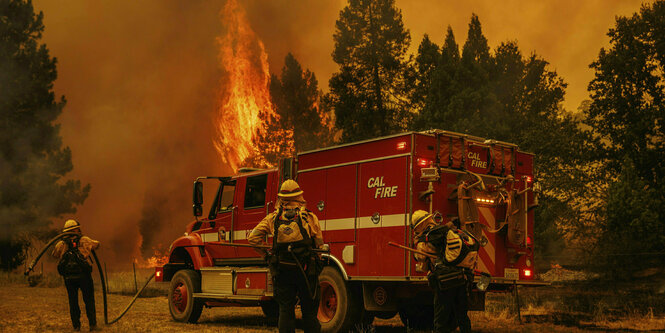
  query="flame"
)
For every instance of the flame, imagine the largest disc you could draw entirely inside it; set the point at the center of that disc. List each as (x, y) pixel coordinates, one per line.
(244, 97)
(159, 258)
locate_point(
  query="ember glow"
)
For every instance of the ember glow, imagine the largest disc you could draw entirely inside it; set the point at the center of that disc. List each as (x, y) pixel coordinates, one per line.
(244, 97)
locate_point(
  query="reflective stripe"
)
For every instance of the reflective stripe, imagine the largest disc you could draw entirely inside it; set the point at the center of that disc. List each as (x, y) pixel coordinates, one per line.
(365, 222)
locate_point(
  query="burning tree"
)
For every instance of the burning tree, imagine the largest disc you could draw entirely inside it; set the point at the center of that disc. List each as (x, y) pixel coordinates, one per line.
(249, 131)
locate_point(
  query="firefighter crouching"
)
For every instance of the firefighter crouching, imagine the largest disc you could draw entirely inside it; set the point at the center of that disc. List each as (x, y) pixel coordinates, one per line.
(75, 266)
(451, 274)
(294, 267)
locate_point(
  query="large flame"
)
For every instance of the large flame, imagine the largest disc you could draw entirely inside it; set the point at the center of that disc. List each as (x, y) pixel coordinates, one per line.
(244, 97)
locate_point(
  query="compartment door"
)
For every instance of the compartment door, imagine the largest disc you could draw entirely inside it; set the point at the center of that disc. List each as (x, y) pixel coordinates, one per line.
(382, 217)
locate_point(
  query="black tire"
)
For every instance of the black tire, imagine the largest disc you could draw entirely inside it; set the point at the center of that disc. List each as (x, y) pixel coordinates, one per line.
(182, 304)
(270, 309)
(417, 316)
(339, 310)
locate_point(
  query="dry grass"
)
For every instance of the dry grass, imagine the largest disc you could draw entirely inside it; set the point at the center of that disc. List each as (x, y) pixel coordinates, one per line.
(122, 283)
(551, 309)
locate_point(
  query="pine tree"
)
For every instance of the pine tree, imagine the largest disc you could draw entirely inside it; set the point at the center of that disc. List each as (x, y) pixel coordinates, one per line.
(33, 160)
(370, 92)
(427, 61)
(296, 97)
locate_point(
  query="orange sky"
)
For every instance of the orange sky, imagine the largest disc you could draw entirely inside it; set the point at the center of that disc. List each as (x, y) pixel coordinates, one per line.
(141, 80)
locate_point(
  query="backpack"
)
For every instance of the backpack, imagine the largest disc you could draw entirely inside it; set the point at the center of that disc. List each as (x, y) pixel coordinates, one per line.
(73, 264)
(291, 233)
(456, 247)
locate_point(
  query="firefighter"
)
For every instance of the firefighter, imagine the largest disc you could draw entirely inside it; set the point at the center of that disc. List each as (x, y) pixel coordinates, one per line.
(450, 283)
(294, 267)
(75, 265)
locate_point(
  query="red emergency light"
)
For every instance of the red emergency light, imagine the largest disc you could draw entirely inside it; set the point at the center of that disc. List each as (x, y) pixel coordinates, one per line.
(528, 241)
(401, 145)
(159, 274)
(528, 179)
(527, 272)
(422, 162)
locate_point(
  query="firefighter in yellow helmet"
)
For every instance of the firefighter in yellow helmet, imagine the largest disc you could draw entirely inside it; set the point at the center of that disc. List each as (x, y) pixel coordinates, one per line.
(294, 267)
(449, 283)
(75, 266)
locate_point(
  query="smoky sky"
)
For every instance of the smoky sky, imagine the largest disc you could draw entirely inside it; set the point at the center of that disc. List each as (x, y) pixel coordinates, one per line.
(141, 80)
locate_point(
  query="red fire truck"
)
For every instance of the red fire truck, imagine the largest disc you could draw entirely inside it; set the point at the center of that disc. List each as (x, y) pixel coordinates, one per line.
(363, 194)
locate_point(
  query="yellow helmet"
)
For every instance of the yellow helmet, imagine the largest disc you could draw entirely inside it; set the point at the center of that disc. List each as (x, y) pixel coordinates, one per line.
(71, 225)
(289, 189)
(418, 217)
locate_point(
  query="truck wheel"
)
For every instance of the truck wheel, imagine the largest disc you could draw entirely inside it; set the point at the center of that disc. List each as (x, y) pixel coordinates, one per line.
(418, 316)
(182, 304)
(338, 309)
(270, 309)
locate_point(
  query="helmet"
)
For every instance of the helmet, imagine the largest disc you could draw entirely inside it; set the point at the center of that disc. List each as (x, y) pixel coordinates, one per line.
(71, 225)
(289, 189)
(419, 217)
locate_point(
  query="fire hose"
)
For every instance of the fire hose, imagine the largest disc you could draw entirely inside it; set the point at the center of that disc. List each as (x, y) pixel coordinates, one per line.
(101, 277)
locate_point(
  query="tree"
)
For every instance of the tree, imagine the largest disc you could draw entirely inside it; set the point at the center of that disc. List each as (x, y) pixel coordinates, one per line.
(33, 160)
(505, 96)
(627, 112)
(628, 93)
(370, 93)
(296, 97)
(426, 63)
(444, 83)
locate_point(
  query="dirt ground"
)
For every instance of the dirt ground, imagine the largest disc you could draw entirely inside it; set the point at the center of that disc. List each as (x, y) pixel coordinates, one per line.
(39, 309)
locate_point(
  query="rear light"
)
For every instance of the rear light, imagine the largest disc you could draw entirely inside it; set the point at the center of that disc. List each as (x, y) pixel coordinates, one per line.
(401, 145)
(422, 162)
(159, 274)
(528, 241)
(527, 273)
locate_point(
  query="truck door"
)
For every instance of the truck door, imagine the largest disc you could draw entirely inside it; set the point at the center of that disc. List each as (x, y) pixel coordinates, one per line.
(252, 209)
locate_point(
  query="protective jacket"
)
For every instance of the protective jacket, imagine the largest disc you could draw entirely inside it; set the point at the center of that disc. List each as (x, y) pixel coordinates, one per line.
(85, 246)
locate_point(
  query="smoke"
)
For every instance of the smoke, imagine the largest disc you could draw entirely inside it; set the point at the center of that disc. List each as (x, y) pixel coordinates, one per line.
(141, 80)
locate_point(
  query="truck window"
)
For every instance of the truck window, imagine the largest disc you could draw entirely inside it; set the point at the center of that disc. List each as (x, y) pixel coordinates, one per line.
(226, 201)
(255, 191)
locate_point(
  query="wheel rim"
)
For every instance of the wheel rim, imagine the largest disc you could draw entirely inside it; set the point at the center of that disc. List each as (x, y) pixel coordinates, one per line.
(328, 304)
(179, 298)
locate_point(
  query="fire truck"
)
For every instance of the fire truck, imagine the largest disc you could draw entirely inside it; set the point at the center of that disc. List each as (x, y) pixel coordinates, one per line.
(363, 194)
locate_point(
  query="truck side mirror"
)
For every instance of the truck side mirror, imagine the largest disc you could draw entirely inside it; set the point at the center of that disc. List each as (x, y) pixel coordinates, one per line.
(198, 198)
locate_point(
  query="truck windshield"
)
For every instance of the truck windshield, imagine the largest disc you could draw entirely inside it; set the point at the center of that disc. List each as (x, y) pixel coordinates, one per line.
(226, 201)
(255, 191)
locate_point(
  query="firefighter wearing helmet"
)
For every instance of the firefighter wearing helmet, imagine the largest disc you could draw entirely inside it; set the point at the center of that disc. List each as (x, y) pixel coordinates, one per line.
(75, 266)
(294, 266)
(449, 281)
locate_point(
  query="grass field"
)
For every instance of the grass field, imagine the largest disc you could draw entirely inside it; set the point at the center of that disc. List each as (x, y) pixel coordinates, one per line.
(560, 308)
